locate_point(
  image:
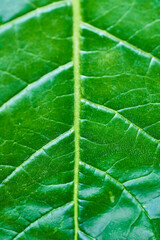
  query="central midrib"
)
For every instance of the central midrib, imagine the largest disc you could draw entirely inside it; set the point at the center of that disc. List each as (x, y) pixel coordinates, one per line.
(76, 62)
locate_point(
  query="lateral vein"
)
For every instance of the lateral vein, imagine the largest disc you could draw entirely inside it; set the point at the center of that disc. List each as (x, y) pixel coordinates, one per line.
(32, 13)
(35, 83)
(16, 169)
(125, 43)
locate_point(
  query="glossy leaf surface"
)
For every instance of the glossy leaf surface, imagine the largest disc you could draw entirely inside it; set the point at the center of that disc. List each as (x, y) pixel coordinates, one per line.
(79, 120)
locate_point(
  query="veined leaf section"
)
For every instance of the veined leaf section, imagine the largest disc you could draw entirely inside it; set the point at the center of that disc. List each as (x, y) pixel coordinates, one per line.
(76, 61)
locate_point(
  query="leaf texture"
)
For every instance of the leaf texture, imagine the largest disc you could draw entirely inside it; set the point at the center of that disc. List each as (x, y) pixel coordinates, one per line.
(79, 120)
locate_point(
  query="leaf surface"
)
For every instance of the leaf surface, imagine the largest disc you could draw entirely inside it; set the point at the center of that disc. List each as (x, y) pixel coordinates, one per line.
(79, 120)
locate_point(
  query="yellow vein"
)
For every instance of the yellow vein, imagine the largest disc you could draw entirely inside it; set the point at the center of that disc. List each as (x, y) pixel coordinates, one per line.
(76, 61)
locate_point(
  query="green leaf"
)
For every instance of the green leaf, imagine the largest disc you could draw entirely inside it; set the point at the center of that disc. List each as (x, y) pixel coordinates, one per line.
(79, 120)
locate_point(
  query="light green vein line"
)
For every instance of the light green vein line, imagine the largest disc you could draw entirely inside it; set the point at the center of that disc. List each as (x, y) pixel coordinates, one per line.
(32, 224)
(30, 86)
(119, 114)
(125, 43)
(76, 61)
(126, 189)
(54, 141)
(32, 13)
